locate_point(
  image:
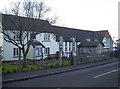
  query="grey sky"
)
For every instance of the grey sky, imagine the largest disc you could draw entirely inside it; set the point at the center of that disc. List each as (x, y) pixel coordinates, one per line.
(83, 14)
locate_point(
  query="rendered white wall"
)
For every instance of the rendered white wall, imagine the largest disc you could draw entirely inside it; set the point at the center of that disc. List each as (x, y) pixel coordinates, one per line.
(108, 44)
(8, 51)
(52, 44)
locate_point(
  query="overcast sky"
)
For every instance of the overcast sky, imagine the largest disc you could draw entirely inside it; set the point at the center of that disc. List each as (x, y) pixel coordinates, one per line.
(83, 14)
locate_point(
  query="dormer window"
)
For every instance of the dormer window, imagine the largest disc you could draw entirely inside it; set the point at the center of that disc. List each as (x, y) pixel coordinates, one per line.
(88, 39)
(16, 37)
(54, 37)
(95, 39)
(46, 37)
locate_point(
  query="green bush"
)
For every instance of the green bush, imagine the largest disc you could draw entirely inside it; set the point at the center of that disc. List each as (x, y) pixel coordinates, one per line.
(3, 69)
(66, 62)
(7, 68)
(8, 72)
(56, 65)
(15, 71)
(50, 65)
(31, 68)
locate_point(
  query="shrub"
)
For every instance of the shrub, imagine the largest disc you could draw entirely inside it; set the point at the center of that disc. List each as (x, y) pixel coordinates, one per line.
(56, 65)
(66, 62)
(8, 72)
(31, 68)
(50, 65)
(15, 71)
(3, 69)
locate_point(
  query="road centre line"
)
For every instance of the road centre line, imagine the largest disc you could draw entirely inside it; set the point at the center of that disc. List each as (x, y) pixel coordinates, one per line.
(106, 73)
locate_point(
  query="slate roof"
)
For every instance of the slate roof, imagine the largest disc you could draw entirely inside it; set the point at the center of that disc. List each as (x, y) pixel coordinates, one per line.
(12, 22)
(67, 33)
(90, 44)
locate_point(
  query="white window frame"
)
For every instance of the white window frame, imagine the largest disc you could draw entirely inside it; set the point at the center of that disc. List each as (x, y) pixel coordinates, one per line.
(15, 52)
(38, 50)
(47, 51)
(16, 36)
(65, 46)
(46, 37)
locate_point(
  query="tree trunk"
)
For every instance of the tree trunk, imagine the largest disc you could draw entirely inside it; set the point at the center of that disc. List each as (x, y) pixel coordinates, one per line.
(24, 59)
(19, 59)
(24, 56)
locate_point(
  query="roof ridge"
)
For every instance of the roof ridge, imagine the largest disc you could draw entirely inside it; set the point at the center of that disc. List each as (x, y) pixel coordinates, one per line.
(23, 17)
(101, 30)
(72, 28)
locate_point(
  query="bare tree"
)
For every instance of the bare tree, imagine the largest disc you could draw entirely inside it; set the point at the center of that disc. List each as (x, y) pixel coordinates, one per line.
(31, 9)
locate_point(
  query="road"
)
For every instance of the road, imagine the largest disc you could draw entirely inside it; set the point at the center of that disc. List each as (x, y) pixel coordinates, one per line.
(99, 76)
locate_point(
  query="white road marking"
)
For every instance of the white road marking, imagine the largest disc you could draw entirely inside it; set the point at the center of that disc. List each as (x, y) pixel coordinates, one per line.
(106, 73)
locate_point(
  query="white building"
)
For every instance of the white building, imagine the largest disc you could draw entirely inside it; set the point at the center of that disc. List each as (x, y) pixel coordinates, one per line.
(45, 38)
(106, 39)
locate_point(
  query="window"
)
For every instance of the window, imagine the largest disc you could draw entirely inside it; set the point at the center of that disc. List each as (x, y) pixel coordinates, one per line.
(15, 51)
(38, 51)
(88, 39)
(65, 46)
(46, 37)
(16, 36)
(85, 50)
(73, 46)
(61, 47)
(95, 39)
(89, 50)
(54, 37)
(47, 51)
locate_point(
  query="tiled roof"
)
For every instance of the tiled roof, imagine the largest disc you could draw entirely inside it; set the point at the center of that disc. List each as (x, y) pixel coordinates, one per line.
(101, 34)
(36, 43)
